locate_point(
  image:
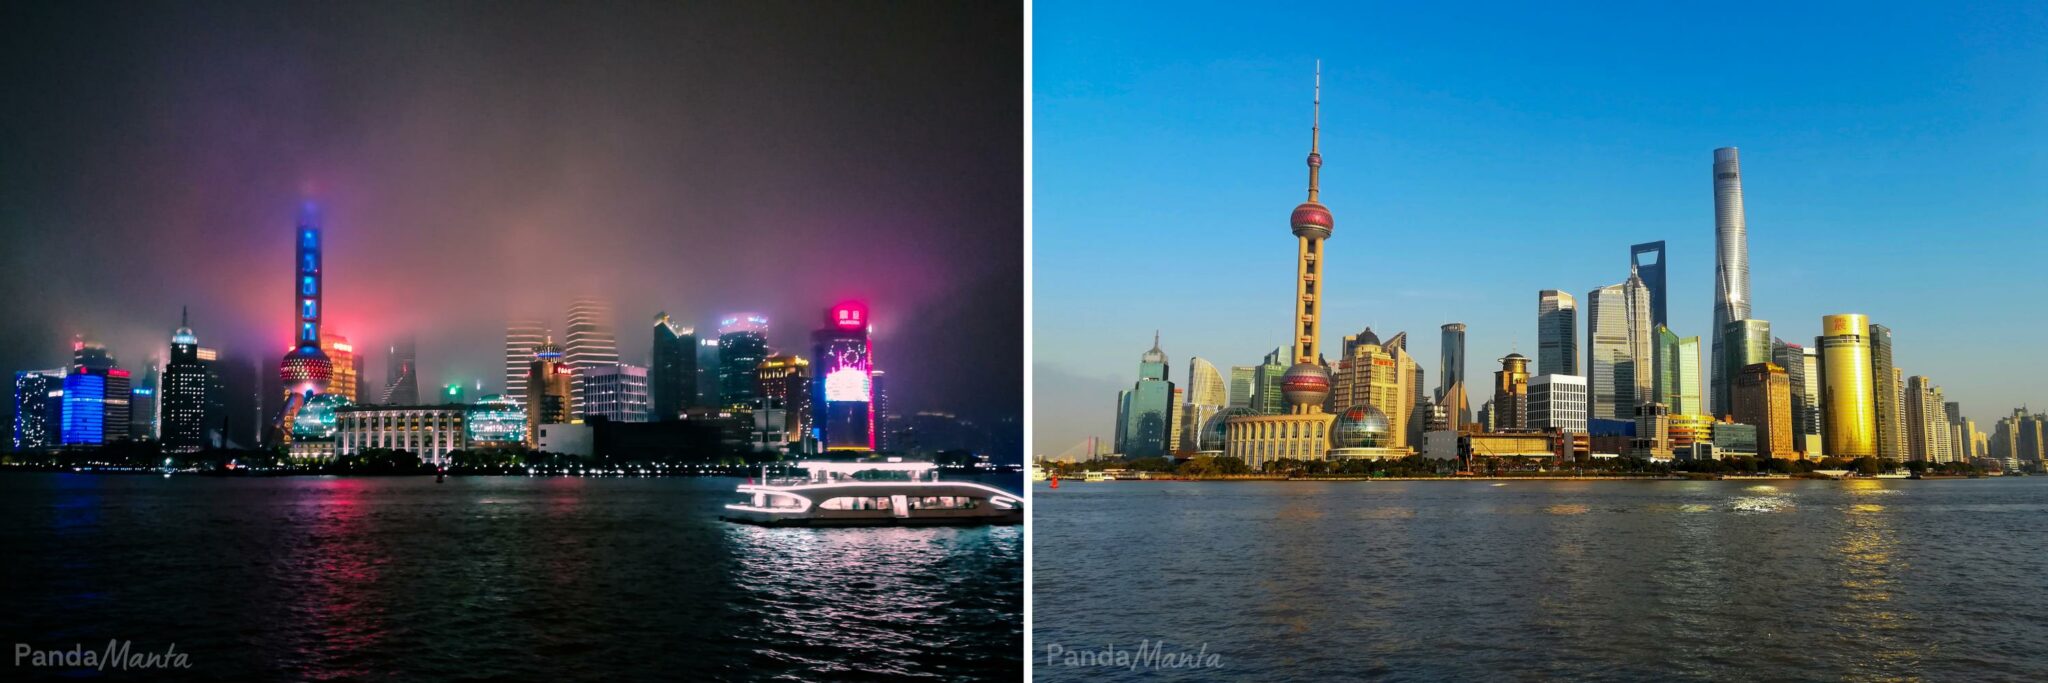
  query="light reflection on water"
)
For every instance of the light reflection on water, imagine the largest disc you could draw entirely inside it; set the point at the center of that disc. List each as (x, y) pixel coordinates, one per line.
(1695, 580)
(311, 578)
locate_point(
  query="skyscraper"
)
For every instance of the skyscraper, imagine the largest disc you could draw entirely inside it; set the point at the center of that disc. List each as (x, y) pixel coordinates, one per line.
(1815, 426)
(1677, 363)
(1805, 404)
(673, 377)
(1450, 382)
(142, 405)
(1370, 374)
(884, 420)
(785, 386)
(38, 408)
(1206, 396)
(522, 337)
(1266, 384)
(1557, 333)
(742, 345)
(1146, 415)
(1557, 402)
(1619, 349)
(1927, 424)
(96, 397)
(84, 409)
(1848, 401)
(1763, 398)
(346, 364)
(592, 343)
(843, 395)
(1744, 343)
(305, 370)
(1888, 396)
(1242, 382)
(707, 374)
(616, 392)
(547, 384)
(1511, 394)
(1652, 271)
(401, 374)
(1731, 267)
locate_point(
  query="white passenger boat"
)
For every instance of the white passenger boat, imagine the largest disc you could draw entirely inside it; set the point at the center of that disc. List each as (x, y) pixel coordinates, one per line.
(883, 494)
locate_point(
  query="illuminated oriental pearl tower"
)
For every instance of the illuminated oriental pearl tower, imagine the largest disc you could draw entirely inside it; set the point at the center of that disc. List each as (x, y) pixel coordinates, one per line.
(305, 369)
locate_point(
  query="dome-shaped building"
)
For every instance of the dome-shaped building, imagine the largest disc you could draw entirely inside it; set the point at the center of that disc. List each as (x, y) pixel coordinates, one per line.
(1214, 431)
(317, 419)
(496, 421)
(1362, 426)
(1363, 431)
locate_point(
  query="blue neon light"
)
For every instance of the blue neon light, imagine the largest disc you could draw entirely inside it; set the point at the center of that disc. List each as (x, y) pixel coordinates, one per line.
(85, 406)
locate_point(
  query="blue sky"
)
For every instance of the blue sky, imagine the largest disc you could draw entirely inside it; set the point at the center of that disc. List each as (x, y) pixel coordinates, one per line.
(1895, 163)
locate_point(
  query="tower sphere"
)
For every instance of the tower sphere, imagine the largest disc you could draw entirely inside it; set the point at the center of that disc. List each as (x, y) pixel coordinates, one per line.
(1305, 384)
(305, 370)
(1312, 219)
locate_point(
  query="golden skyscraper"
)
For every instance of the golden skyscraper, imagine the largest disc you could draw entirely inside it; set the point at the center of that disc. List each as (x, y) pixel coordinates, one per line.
(1763, 397)
(343, 356)
(1848, 406)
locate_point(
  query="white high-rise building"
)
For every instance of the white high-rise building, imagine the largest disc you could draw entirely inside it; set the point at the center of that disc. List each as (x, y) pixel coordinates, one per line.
(1206, 396)
(1558, 402)
(617, 392)
(592, 344)
(522, 336)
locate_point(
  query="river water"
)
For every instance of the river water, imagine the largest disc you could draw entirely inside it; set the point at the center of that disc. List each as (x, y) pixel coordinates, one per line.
(1476, 580)
(325, 578)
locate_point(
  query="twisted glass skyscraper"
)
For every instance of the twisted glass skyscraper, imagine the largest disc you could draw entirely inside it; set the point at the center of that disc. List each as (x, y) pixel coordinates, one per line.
(1731, 267)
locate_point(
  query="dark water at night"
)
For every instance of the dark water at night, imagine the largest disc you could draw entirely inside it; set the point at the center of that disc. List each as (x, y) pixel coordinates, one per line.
(1784, 580)
(400, 578)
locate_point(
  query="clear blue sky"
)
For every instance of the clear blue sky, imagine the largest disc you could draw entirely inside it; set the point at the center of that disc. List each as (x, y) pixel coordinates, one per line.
(1895, 163)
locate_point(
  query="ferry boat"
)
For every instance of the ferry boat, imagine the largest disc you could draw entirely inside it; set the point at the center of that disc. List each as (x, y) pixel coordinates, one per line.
(831, 495)
(1095, 476)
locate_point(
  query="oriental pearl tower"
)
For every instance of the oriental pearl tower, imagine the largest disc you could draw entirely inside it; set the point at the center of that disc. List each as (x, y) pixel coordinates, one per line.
(305, 369)
(1303, 431)
(1307, 384)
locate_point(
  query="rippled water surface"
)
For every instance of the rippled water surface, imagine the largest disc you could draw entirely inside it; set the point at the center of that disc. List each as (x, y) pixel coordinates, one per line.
(1783, 580)
(402, 578)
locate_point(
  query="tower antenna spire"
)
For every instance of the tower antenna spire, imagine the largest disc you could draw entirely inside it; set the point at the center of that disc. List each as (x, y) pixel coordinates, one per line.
(1315, 136)
(184, 316)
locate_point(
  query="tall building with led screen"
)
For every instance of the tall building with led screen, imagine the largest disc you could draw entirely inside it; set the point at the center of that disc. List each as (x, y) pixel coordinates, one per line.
(843, 391)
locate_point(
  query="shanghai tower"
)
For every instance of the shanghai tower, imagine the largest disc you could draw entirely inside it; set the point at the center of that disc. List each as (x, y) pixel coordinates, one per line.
(1731, 266)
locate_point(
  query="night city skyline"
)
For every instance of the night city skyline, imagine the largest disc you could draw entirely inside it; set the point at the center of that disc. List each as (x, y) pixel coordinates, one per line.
(472, 169)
